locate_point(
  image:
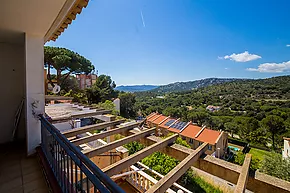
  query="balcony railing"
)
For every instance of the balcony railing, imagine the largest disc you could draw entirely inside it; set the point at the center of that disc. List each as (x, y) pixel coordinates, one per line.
(73, 170)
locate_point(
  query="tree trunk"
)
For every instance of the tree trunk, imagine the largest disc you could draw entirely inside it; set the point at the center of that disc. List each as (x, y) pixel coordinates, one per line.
(273, 140)
(49, 77)
(66, 76)
(58, 76)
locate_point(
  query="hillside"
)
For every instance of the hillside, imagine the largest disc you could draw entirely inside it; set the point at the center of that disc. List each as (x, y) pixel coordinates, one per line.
(190, 85)
(248, 108)
(135, 88)
(269, 88)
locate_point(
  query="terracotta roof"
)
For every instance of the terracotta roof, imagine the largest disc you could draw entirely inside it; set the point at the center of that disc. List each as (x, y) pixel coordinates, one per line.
(158, 120)
(153, 117)
(209, 136)
(72, 13)
(190, 131)
(174, 130)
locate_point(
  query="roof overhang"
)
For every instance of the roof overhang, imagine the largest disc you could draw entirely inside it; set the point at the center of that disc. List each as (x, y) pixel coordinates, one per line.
(40, 18)
(67, 14)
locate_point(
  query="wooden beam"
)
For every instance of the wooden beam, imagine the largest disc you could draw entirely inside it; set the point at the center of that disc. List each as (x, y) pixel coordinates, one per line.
(80, 114)
(118, 143)
(89, 114)
(104, 134)
(243, 178)
(260, 182)
(166, 182)
(130, 160)
(99, 126)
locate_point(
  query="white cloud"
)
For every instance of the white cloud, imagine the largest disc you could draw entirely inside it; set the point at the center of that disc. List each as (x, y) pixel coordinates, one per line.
(242, 57)
(226, 68)
(272, 67)
(288, 45)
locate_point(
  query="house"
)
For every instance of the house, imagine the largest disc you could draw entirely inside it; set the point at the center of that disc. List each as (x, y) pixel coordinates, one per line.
(193, 134)
(286, 150)
(213, 108)
(86, 81)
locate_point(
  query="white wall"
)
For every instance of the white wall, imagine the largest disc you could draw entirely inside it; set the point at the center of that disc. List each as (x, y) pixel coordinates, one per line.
(12, 80)
(117, 104)
(34, 89)
(286, 147)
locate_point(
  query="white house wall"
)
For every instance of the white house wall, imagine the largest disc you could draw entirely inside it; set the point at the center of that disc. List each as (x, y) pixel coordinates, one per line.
(12, 78)
(286, 150)
(34, 89)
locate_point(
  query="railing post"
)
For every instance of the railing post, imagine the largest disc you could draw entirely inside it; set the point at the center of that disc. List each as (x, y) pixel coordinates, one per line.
(62, 155)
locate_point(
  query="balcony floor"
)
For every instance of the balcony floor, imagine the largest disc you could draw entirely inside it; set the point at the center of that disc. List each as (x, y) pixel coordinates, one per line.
(19, 173)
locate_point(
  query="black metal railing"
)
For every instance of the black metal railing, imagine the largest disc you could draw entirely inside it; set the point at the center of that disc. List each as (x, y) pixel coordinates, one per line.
(74, 171)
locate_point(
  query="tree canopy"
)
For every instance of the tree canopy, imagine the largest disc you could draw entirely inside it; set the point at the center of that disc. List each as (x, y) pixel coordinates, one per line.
(256, 111)
(65, 60)
(102, 90)
(127, 102)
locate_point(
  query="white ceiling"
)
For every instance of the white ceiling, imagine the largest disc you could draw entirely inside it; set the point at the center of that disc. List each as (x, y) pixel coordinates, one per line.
(31, 16)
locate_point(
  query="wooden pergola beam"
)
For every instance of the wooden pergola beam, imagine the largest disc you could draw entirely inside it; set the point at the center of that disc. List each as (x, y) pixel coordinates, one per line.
(118, 143)
(89, 114)
(104, 134)
(99, 126)
(164, 183)
(243, 178)
(130, 160)
(80, 115)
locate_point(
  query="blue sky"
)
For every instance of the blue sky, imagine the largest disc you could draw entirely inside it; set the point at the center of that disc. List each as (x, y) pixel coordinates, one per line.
(181, 40)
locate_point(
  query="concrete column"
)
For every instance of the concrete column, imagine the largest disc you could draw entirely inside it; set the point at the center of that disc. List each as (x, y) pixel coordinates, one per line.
(34, 89)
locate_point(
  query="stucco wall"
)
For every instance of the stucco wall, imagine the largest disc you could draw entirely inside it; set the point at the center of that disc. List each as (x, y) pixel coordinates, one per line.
(12, 78)
(222, 143)
(34, 89)
(286, 150)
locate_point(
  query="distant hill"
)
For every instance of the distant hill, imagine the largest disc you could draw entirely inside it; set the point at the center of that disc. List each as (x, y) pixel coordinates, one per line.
(136, 88)
(190, 85)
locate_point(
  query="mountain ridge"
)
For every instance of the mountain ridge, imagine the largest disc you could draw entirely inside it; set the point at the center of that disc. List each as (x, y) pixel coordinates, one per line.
(135, 88)
(177, 86)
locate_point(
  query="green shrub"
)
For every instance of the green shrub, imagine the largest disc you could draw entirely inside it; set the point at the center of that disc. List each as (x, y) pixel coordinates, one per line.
(108, 105)
(275, 165)
(182, 142)
(195, 183)
(240, 157)
(160, 162)
(134, 147)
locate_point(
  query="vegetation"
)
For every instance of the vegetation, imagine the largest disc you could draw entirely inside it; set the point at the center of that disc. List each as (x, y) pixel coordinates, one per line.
(102, 90)
(274, 165)
(256, 111)
(134, 147)
(163, 164)
(182, 142)
(190, 85)
(62, 59)
(127, 102)
(195, 183)
(239, 158)
(260, 154)
(160, 162)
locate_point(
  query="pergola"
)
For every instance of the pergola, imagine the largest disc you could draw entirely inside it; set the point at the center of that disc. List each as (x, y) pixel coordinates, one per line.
(188, 157)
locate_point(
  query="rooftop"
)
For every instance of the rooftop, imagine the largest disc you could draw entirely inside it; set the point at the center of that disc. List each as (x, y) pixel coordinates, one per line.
(186, 129)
